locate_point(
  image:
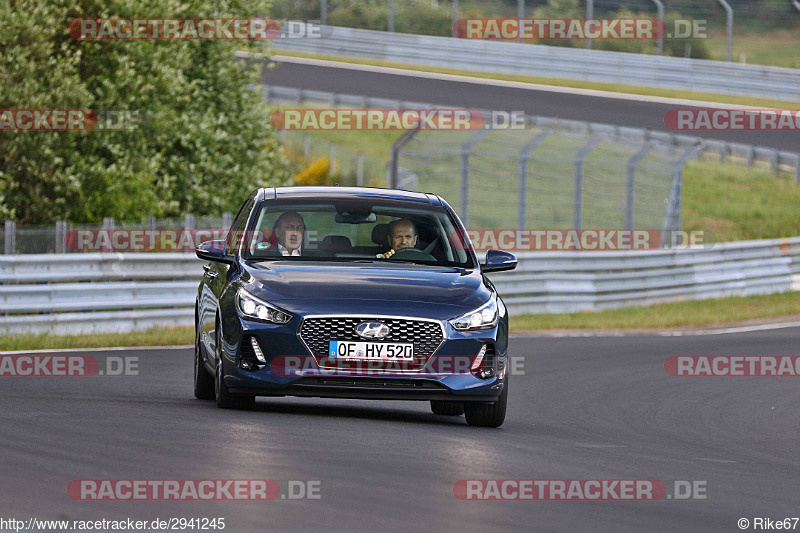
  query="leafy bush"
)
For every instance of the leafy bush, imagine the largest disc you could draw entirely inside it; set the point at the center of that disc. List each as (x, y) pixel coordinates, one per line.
(207, 139)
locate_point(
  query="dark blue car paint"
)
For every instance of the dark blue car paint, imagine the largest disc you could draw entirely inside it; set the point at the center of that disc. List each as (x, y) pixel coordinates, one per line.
(305, 288)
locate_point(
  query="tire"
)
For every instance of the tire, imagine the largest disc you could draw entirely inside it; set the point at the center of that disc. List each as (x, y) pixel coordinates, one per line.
(447, 408)
(225, 399)
(490, 415)
(203, 382)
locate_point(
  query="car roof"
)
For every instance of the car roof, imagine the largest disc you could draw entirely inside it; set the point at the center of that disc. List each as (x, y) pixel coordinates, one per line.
(344, 193)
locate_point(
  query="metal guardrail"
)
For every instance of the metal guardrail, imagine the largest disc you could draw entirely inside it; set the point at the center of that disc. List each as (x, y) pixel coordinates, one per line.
(97, 292)
(82, 293)
(555, 62)
(749, 154)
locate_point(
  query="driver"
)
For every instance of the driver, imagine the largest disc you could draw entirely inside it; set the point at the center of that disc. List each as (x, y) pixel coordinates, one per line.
(402, 234)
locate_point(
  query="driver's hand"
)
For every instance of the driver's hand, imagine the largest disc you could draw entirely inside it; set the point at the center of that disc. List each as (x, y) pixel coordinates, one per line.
(388, 254)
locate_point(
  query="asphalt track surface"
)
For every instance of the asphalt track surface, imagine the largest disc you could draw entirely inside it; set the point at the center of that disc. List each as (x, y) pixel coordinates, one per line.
(585, 408)
(621, 111)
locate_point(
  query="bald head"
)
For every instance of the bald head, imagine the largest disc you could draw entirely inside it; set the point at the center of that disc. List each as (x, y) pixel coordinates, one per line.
(402, 234)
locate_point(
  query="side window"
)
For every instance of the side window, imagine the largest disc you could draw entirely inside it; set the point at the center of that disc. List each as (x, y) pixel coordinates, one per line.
(236, 233)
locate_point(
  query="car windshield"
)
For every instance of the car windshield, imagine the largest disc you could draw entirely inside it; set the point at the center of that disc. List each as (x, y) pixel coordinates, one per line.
(356, 231)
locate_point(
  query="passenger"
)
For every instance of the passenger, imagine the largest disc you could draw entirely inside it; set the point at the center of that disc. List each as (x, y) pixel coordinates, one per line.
(289, 228)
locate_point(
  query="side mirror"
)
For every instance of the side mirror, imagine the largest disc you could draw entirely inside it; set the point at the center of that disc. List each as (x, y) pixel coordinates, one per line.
(498, 261)
(215, 251)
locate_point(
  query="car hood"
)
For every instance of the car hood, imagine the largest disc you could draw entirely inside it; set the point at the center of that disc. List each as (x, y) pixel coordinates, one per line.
(389, 289)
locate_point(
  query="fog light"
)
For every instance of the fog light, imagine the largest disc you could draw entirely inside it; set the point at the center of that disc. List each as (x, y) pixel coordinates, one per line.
(247, 365)
(257, 350)
(476, 364)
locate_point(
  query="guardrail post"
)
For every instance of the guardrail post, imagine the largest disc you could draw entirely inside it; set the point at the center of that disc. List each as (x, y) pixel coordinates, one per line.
(395, 155)
(10, 237)
(359, 169)
(660, 6)
(729, 11)
(629, 190)
(466, 148)
(523, 176)
(578, 202)
(589, 15)
(61, 235)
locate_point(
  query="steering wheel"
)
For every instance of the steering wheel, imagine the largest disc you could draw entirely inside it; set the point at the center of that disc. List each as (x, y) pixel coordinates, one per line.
(412, 254)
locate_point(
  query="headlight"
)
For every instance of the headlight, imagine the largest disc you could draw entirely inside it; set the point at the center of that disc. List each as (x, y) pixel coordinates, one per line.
(251, 307)
(483, 317)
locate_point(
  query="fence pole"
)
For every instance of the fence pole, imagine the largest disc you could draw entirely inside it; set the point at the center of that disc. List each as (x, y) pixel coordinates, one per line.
(395, 155)
(10, 237)
(359, 169)
(466, 148)
(629, 191)
(522, 209)
(188, 221)
(306, 148)
(589, 15)
(391, 16)
(729, 11)
(227, 220)
(672, 218)
(520, 14)
(455, 11)
(61, 235)
(660, 6)
(578, 202)
(332, 159)
(323, 12)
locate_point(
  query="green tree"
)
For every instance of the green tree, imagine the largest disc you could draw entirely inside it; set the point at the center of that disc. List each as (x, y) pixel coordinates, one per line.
(206, 137)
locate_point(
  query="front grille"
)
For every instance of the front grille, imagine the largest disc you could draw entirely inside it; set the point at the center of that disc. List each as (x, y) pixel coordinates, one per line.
(317, 332)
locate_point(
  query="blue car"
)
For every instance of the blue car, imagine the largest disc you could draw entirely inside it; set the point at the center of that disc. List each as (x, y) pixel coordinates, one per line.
(338, 292)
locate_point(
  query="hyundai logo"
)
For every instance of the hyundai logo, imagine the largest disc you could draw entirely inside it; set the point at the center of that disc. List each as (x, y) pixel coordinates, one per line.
(372, 330)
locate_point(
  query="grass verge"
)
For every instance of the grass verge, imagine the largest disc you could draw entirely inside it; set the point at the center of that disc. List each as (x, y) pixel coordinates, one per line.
(152, 337)
(669, 315)
(558, 82)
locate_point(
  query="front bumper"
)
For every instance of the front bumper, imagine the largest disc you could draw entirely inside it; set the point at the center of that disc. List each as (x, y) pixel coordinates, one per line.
(276, 341)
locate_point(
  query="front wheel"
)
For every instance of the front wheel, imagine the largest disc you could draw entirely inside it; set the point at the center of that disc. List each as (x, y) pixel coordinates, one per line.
(490, 415)
(225, 399)
(203, 382)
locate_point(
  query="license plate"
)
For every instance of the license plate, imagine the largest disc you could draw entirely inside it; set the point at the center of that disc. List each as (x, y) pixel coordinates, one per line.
(371, 350)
